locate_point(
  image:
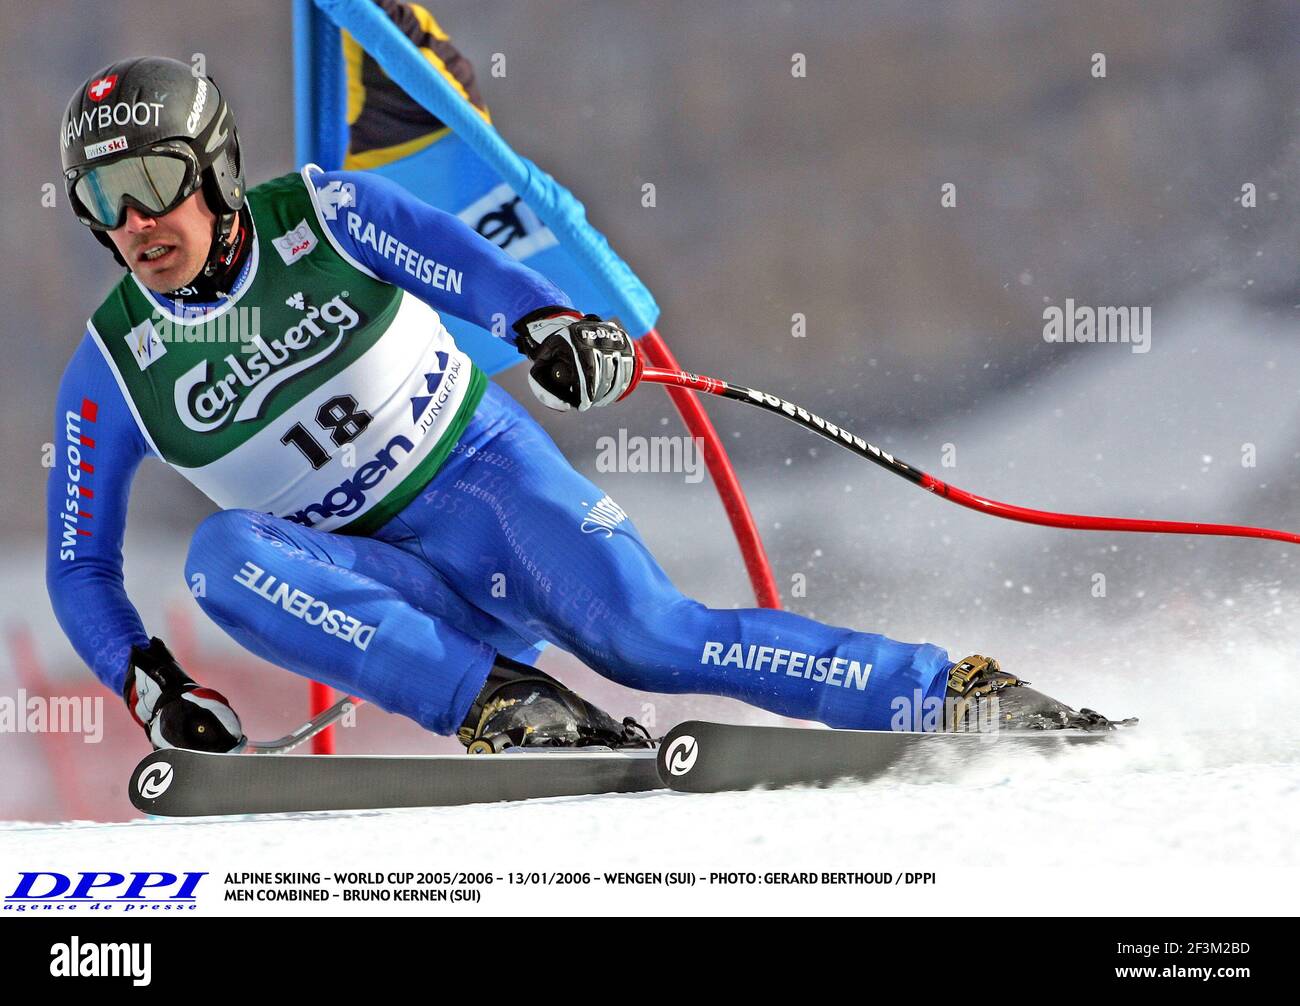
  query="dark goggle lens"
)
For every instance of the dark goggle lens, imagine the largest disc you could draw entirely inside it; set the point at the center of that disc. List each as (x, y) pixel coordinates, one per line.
(154, 182)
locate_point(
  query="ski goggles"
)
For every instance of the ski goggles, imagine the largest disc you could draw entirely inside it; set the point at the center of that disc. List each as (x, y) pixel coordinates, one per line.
(154, 182)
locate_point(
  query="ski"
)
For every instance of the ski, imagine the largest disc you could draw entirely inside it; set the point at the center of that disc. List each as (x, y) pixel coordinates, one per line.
(701, 757)
(182, 783)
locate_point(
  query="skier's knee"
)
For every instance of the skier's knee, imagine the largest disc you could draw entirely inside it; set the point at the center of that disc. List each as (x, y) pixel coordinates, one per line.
(638, 651)
(216, 540)
(220, 532)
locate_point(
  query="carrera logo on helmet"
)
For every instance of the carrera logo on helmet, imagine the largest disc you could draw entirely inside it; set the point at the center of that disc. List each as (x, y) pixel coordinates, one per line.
(204, 405)
(99, 89)
(123, 113)
(200, 99)
(106, 147)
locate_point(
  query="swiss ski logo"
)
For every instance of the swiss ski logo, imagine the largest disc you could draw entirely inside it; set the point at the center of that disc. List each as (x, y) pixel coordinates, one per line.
(681, 755)
(145, 344)
(296, 243)
(112, 146)
(99, 89)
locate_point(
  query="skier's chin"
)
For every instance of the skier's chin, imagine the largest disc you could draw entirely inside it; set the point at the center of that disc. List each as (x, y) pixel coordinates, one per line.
(168, 278)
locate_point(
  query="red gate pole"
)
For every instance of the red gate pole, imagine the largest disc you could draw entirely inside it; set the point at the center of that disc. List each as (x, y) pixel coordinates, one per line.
(321, 697)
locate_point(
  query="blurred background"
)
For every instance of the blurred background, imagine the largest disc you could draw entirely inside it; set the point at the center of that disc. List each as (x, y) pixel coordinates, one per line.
(778, 195)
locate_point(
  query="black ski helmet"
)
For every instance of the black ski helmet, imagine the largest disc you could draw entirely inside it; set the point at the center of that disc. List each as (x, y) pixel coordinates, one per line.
(136, 105)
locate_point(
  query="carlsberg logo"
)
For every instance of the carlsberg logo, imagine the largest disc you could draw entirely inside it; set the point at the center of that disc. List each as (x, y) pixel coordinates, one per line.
(239, 393)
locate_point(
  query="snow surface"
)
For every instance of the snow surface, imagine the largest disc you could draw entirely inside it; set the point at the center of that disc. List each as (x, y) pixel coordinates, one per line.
(1156, 822)
(1195, 811)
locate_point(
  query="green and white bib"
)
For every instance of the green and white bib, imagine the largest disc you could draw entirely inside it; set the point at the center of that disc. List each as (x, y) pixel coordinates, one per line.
(316, 392)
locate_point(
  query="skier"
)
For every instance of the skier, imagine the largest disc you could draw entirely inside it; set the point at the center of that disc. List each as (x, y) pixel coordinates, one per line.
(391, 522)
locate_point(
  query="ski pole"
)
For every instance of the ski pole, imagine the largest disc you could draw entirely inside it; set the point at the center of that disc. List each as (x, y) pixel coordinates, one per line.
(1008, 511)
(323, 719)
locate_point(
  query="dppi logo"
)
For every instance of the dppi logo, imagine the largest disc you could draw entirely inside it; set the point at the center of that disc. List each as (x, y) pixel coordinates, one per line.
(681, 754)
(139, 891)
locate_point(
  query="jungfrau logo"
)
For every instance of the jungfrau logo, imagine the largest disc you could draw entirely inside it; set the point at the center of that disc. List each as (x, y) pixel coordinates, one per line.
(204, 405)
(432, 381)
(681, 755)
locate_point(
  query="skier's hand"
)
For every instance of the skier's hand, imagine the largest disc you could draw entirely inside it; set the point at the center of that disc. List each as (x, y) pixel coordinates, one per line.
(174, 710)
(579, 361)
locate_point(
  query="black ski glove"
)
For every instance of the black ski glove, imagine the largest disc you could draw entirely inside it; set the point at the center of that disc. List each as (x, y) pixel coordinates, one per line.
(579, 361)
(174, 710)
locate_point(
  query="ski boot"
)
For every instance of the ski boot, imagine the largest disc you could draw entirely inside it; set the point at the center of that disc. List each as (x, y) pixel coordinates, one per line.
(977, 684)
(521, 706)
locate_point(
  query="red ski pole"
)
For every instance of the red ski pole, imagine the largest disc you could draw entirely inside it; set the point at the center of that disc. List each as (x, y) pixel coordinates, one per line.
(1008, 511)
